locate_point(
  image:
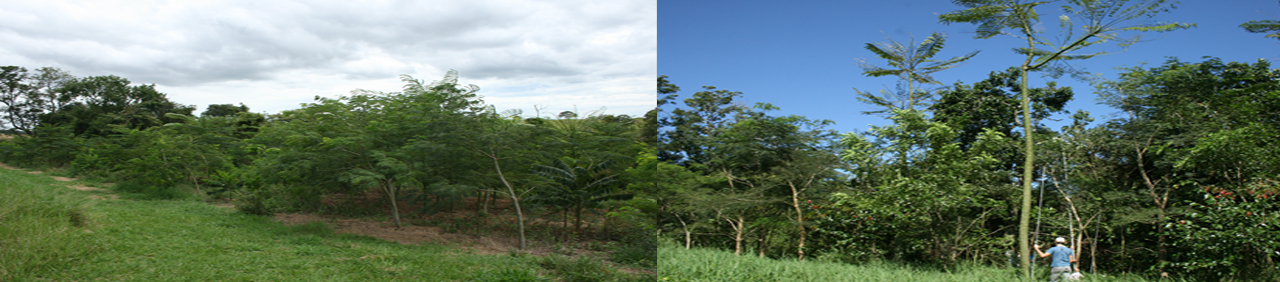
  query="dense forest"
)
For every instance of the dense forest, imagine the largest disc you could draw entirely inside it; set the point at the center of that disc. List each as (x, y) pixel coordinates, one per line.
(1183, 184)
(432, 147)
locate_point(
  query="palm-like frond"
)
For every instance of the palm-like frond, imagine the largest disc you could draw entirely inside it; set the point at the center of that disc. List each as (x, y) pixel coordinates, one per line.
(911, 64)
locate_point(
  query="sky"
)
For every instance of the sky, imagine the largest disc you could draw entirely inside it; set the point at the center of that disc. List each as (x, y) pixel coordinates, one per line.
(802, 56)
(582, 55)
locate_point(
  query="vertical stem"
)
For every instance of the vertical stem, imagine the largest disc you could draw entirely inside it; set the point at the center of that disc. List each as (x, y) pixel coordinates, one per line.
(391, 195)
(1024, 248)
(514, 199)
(795, 202)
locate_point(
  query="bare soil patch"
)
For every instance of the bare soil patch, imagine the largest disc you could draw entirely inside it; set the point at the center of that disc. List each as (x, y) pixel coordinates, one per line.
(408, 235)
(63, 179)
(460, 220)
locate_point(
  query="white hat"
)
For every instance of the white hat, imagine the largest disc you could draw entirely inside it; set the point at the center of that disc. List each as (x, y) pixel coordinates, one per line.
(1060, 240)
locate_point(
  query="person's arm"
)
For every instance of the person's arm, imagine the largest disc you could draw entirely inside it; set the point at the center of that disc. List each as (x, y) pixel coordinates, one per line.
(1042, 254)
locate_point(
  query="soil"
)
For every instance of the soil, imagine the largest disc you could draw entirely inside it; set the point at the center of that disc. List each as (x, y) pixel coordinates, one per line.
(408, 234)
(414, 228)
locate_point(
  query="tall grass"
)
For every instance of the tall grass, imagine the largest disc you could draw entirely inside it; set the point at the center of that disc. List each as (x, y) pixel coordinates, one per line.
(41, 228)
(677, 264)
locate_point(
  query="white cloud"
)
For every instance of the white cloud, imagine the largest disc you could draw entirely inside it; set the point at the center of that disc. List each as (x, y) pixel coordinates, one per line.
(272, 55)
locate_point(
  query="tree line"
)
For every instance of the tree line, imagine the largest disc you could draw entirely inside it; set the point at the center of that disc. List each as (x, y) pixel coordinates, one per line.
(434, 146)
(1183, 184)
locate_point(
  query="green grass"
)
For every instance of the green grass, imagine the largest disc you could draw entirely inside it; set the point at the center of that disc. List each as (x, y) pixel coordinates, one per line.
(677, 264)
(187, 240)
(41, 227)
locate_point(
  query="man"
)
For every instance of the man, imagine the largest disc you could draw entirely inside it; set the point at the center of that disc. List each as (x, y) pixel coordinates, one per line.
(1062, 258)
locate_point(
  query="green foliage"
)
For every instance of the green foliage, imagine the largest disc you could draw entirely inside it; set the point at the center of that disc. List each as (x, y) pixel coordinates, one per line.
(54, 147)
(912, 65)
(224, 110)
(1193, 128)
(637, 243)
(1229, 235)
(577, 187)
(99, 103)
(386, 141)
(934, 187)
(1263, 26)
(1101, 21)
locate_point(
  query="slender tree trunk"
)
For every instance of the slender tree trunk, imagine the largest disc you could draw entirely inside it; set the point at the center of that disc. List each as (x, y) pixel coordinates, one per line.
(577, 219)
(1161, 204)
(1093, 248)
(1028, 166)
(738, 230)
(515, 200)
(762, 244)
(391, 195)
(795, 202)
(688, 236)
(1024, 248)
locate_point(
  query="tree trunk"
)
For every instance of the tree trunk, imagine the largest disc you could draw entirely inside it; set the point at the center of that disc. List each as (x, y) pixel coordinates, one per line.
(1161, 204)
(390, 187)
(1024, 221)
(688, 237)
(577, 219)
(515, 200)
(738, 229)
(762, 243)
(795, 202)
(483, 202)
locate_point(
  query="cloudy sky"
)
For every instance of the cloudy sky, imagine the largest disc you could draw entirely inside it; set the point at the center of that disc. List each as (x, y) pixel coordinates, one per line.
(274, 55)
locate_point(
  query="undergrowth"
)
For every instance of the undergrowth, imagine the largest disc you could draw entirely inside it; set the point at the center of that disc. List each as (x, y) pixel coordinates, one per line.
(679, 264)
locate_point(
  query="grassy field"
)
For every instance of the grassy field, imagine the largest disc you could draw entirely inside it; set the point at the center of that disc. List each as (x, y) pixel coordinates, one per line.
(50, 232)
(677, 264)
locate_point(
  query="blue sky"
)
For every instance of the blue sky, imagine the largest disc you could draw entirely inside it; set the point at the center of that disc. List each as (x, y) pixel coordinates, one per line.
(802, 55)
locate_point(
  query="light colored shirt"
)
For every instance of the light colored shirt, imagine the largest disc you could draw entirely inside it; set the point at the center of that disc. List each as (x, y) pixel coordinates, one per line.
(1061, 256)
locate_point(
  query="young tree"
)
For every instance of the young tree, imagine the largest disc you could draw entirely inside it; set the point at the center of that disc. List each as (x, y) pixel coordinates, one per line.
(506, 141)
(578, 186)
(912, 65)
(1103, 21)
